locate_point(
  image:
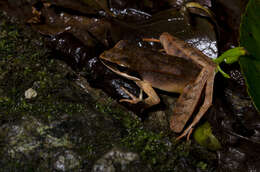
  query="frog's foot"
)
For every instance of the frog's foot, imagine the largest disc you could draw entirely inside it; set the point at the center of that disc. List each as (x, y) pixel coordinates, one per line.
(134, 99)
(186, 132)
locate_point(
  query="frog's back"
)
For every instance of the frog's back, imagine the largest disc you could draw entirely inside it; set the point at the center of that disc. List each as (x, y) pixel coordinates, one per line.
(168, 73)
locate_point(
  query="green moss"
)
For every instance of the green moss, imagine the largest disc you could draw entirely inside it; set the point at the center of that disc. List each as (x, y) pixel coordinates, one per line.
(159, 150)
(23, 65)
(148, 144)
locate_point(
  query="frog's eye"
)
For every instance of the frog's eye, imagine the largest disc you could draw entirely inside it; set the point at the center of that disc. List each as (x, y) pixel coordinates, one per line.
(123, 61)
(122, 65)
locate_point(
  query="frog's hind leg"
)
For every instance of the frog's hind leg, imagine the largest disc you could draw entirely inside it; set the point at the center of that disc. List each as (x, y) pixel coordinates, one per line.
(187, 102)
(206, 104)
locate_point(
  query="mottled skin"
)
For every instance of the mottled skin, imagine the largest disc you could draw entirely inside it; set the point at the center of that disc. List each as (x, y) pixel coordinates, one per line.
(185, 70)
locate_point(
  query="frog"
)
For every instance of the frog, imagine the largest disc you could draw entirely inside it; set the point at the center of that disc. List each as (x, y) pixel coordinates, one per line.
(182, 69)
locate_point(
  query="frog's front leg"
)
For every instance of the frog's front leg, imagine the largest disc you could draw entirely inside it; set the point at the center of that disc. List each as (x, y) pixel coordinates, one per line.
(152, 98)
(205, 106)
(134, 99)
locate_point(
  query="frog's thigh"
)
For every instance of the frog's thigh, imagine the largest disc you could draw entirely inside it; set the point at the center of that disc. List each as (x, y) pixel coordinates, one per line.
(205, 106)
(187, 102)
(152, 98)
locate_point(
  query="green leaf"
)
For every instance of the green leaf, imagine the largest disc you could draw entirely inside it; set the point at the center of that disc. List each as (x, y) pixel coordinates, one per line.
(251, 72)
(250, 29)
(203, 135)
(230, 56)
(250, 39)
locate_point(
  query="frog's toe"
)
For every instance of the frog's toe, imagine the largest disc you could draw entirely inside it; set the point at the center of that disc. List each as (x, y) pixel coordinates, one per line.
(132, 101)
(187, 133)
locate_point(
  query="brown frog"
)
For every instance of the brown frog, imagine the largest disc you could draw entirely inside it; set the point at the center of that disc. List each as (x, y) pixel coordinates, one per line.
(183, 70)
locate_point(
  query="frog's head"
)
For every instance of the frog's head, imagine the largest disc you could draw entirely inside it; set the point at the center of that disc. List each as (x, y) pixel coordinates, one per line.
(117, 60)
(116, 55)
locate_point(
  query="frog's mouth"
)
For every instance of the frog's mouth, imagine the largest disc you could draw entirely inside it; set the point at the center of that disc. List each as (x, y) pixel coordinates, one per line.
(120, 70)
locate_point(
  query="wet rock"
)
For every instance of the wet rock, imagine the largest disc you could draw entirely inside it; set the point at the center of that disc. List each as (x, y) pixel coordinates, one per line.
(115, 160)
(18, 136)
(243, 158)
(84, 7)
(30, 93)
(66, 161)
(237, 101)
(236, 122)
